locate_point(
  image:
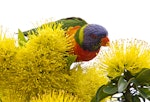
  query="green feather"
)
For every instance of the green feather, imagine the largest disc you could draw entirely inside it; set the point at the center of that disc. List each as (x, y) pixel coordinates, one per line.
(71, 22)
(79, 36)
(66, 23)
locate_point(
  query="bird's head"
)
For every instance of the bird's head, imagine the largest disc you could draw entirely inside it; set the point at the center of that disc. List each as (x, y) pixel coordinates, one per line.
(92, 36)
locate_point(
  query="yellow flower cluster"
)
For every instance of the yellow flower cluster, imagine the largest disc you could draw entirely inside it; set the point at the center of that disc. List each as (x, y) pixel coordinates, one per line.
(41, 65)
(87, 81)
(7, 55)
(42, 61)
(56, 96)
(125, 54)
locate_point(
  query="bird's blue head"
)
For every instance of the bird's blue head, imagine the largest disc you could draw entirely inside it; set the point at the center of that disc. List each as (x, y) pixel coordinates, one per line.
(91, 37)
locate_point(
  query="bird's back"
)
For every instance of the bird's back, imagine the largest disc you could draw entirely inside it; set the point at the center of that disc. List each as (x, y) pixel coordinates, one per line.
(71, 22)
(66, 23)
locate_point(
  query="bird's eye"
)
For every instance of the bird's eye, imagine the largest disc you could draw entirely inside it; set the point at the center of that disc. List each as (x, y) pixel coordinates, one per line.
(93, 36)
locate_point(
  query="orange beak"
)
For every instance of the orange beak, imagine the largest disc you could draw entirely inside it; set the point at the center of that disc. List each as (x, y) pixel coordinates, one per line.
(105, 41)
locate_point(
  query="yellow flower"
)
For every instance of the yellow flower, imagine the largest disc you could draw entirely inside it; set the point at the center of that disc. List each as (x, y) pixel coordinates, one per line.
(87, 81)
(57, 96)
(125, 54)
(7, 56)
(42, 61)
(9, 95)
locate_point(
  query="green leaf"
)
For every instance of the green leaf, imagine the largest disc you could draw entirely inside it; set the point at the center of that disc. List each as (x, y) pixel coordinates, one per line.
(136, 99)
(110, 89)
(132, 80)
(71, 59)
(122, 84)
(93, 99)
(21, 38)
(100, 94)
(143, 77)
(115, 80)
(144, 92)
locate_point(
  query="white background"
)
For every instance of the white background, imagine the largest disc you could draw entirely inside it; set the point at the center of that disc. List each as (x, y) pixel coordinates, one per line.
(122, 18)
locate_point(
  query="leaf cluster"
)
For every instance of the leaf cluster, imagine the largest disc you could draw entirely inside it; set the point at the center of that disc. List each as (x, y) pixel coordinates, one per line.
(133, 88)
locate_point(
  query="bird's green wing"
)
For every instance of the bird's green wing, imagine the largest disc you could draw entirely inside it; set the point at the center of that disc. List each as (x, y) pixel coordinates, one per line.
(71, 22)
(66, 23)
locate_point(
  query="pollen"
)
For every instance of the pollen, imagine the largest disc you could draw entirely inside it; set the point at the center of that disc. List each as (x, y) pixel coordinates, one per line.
(125, 54)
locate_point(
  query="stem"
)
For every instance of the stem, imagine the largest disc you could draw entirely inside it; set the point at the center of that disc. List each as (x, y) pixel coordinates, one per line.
(127, 95)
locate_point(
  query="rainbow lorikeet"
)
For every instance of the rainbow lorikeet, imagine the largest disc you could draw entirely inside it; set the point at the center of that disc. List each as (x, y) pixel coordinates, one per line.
(87, 38)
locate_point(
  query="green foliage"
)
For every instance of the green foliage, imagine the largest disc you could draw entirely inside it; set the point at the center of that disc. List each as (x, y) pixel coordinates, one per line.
(110, 89)
(71, 59)
(100, 95)
(142, 77)
(133, 88)
(136, 99)
(21, 38)
(122, 84)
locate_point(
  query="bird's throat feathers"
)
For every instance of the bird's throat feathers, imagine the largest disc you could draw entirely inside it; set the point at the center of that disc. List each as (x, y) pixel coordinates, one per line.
(84, 55)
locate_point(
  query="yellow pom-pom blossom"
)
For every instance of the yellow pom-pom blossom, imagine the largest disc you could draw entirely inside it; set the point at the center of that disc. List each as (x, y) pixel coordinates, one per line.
(125, 54)
(7, 56)
(87, 81)
(42, 61)
(57, 96)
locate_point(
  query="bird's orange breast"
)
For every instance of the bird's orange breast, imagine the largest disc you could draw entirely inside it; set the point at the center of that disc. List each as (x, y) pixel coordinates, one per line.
(84, 55)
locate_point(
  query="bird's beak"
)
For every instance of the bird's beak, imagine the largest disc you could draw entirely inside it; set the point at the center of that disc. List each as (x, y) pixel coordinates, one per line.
(105, 41)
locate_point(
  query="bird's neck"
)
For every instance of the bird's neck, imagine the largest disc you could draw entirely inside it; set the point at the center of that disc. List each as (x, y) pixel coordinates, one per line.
(84, 55)
(72, 30)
